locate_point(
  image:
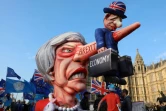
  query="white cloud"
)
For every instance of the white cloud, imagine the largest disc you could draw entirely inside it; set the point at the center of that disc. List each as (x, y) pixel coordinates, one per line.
(162, 55)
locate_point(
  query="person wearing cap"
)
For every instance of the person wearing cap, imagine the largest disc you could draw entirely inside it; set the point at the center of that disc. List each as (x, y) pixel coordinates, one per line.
(112, 99)
(112, 20)
(85, 101)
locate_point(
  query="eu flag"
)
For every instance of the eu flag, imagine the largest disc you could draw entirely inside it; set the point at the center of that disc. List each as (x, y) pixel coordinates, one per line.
(18, 86)
(38, 97)
(11, 73)
(29, 96)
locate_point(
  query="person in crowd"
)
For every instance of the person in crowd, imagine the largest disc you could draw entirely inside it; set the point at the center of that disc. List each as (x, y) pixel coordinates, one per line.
(112, 99)
(96, 102)
(103, 106)
(85, 101)
(162, 107)
(8, 102)
(158, 108)
(13, 105)
(25, 106)
(18, 106)
(32, 107)
(1, 106)
(126, 103)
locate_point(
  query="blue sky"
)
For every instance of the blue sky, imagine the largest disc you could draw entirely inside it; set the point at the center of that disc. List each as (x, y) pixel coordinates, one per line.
(27, 24)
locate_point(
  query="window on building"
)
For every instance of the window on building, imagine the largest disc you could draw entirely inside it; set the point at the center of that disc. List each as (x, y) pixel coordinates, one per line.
(138, 68)
(145, 80)
(141, 80)
(133, 91)
(154, 98)
(137, 80)
(152, 77)
(133, 81)
(160, 75)
(162, 87)
(153, 88)
(142, 91)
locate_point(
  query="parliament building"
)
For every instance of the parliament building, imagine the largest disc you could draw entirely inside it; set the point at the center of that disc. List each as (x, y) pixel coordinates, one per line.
(147, 81)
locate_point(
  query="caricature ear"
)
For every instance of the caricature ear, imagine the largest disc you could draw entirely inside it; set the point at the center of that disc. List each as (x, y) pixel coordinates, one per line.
(118, 24)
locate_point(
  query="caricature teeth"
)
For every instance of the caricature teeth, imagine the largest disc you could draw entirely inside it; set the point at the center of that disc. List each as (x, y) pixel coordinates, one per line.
(77, 75)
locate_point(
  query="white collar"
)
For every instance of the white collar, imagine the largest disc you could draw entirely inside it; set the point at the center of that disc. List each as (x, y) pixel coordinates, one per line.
(51, 106)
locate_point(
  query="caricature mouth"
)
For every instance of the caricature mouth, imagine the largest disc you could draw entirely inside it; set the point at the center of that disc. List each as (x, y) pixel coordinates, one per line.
(80, 73)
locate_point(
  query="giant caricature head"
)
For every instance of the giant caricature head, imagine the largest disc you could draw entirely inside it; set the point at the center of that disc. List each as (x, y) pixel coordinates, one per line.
(55, 61)
(114, 15)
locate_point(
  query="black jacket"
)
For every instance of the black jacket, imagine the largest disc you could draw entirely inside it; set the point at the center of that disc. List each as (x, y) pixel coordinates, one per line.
(126, 104)
(85, 103)
(95, 106)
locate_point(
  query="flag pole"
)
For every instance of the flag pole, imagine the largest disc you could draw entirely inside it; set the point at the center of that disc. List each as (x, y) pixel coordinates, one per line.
(16, 96)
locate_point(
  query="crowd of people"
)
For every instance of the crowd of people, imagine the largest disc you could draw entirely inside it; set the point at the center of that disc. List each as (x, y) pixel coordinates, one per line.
(114, 102)
(17, 106)
(110, 102)
(161, 107)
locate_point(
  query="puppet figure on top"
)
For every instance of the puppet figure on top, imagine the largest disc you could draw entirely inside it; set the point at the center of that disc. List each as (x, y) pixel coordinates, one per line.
(112, 20)
(107, 62)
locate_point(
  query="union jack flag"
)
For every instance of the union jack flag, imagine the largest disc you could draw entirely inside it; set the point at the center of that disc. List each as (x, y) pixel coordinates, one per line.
(98, 87)
(38, 76)
(118, 5)
(41, 86)
(2, 91)
(2, 88)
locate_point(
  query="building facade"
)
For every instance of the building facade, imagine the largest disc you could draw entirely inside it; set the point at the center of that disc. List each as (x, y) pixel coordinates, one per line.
(147, 81)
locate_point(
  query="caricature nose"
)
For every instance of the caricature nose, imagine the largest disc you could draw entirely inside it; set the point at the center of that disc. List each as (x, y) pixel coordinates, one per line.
(84, 52)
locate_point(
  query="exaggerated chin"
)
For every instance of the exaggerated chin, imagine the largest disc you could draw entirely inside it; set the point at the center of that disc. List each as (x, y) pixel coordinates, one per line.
(75, 86)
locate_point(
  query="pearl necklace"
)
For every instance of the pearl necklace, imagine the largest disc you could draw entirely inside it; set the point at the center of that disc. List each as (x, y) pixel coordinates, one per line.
(74, 108)
(56, 107)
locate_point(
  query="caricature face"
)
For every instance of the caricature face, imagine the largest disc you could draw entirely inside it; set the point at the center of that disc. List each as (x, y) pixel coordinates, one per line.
(68, 74)
(112, 22)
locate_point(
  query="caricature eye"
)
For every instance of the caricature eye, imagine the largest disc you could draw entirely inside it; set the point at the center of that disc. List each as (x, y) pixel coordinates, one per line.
(66, 50)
